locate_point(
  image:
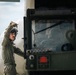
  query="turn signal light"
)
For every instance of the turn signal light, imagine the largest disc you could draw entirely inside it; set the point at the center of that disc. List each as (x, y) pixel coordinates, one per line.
(43, 59)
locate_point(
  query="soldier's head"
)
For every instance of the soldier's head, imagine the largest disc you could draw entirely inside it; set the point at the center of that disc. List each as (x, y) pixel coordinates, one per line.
(13, 34)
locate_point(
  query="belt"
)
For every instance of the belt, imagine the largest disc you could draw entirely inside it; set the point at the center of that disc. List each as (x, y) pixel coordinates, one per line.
(9, 64)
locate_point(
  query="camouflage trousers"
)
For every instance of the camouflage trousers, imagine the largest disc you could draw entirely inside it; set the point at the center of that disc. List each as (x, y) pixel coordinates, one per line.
(10, 70)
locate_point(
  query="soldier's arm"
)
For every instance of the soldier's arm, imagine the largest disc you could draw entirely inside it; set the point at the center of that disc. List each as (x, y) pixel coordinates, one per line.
(18, 51)
(7, 33)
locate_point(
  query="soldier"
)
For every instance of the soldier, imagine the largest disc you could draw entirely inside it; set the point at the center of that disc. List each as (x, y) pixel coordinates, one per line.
(8, 50)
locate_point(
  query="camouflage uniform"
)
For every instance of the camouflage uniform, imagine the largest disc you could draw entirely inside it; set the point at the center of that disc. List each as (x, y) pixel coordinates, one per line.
(8, 50)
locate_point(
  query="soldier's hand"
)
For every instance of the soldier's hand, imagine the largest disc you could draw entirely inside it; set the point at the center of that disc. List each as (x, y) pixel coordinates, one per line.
(13, 24)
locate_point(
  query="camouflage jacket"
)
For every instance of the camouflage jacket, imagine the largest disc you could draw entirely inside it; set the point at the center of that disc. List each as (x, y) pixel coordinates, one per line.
(8, 49)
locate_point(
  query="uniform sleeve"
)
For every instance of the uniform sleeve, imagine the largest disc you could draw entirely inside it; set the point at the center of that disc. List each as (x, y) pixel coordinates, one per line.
(18, 52)
(6, 40)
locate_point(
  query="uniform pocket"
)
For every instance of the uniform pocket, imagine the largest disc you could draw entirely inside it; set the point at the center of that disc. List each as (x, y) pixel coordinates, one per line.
(9, 69)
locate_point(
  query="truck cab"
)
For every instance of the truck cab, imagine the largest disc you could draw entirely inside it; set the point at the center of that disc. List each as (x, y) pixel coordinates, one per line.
(50, 37)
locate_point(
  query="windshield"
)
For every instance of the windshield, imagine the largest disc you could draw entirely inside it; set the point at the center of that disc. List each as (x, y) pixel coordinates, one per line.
(50, 34)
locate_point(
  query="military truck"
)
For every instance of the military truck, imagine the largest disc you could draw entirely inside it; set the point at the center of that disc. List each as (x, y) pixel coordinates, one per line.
(50, 37)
